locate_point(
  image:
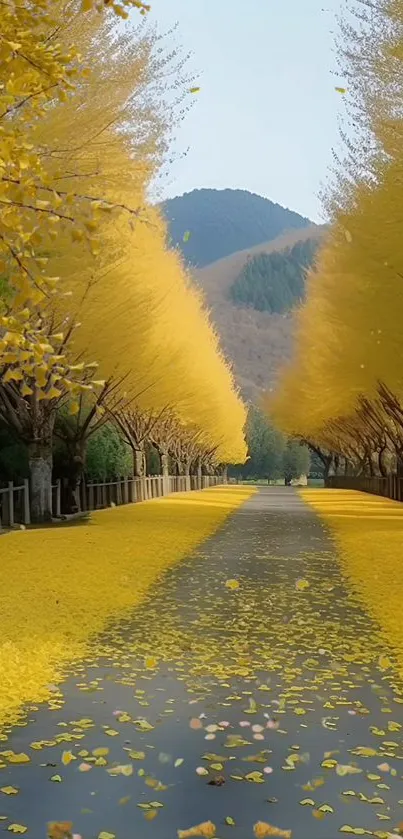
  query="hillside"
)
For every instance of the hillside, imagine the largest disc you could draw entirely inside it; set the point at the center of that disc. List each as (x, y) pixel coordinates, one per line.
(257, 342)
(217, 223)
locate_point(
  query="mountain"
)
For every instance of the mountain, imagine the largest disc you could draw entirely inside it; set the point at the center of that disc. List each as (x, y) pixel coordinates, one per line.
(208, 224)
(252, 257)
(257, 342)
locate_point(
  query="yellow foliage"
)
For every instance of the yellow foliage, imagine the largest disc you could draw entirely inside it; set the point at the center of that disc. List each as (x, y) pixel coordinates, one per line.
(141, 316)
(349, 338)
(125, 549)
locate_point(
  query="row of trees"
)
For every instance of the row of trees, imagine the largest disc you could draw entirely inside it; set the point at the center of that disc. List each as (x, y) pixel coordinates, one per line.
(272, 455)
(99, 322)
(343, 391)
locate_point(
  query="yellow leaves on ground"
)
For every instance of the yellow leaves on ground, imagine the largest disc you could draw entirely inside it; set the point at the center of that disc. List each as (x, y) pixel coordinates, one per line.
(207, 830)
(369, 534)
(232, 584)
(262, 830)
(49, 605)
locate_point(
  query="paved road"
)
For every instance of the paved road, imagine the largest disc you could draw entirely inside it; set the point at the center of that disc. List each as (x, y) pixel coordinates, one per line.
(277, 689)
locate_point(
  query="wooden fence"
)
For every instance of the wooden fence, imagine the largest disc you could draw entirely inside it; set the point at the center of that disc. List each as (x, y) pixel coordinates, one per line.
(389, 487)
(15, 506)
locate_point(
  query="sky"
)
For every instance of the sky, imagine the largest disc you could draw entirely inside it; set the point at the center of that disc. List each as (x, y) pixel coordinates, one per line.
(265, 119)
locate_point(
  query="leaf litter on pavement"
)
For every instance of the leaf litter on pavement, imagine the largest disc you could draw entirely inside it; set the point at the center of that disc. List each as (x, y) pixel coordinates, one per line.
(276, 667)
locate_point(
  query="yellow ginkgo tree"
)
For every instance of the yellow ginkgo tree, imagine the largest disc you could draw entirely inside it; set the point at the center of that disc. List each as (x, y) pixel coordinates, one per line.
(38, 376)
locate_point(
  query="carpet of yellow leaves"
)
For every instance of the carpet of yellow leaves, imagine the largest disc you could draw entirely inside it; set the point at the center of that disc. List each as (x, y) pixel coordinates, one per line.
(60, 586)
(368, 531)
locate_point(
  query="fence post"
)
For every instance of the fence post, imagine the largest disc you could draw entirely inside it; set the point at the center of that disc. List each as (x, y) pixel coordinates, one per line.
(58, 497)
(26, 508)
(11, 504)
(83, 494)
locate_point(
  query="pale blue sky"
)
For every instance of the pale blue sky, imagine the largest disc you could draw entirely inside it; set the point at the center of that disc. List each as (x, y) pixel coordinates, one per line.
(266, 117)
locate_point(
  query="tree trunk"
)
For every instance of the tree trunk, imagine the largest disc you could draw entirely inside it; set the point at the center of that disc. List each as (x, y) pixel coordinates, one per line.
(138, 463)
(329, 467)
(164, 464)
(40, 471)
(381, 462)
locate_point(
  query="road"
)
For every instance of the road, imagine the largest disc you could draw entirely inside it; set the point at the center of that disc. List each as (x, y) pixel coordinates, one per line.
(248, 682)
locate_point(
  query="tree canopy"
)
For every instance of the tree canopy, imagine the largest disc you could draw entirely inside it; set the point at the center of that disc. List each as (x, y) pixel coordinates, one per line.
(345, 383)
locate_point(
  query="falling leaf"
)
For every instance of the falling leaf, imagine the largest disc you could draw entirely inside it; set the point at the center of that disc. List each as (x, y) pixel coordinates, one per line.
(56, 778)
(194, 90)
(307, 802)
(178, 762)
(195, 724)
(111, 732)
(105, 835)
(151, 662)
(9, 790)
(101, 751)
(229, 820)
(186, 236)
(17, 828)
(201, 770)
(341, 90)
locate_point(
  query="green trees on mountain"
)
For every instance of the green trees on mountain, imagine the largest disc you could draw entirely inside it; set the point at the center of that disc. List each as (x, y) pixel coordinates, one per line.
(275, 282)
